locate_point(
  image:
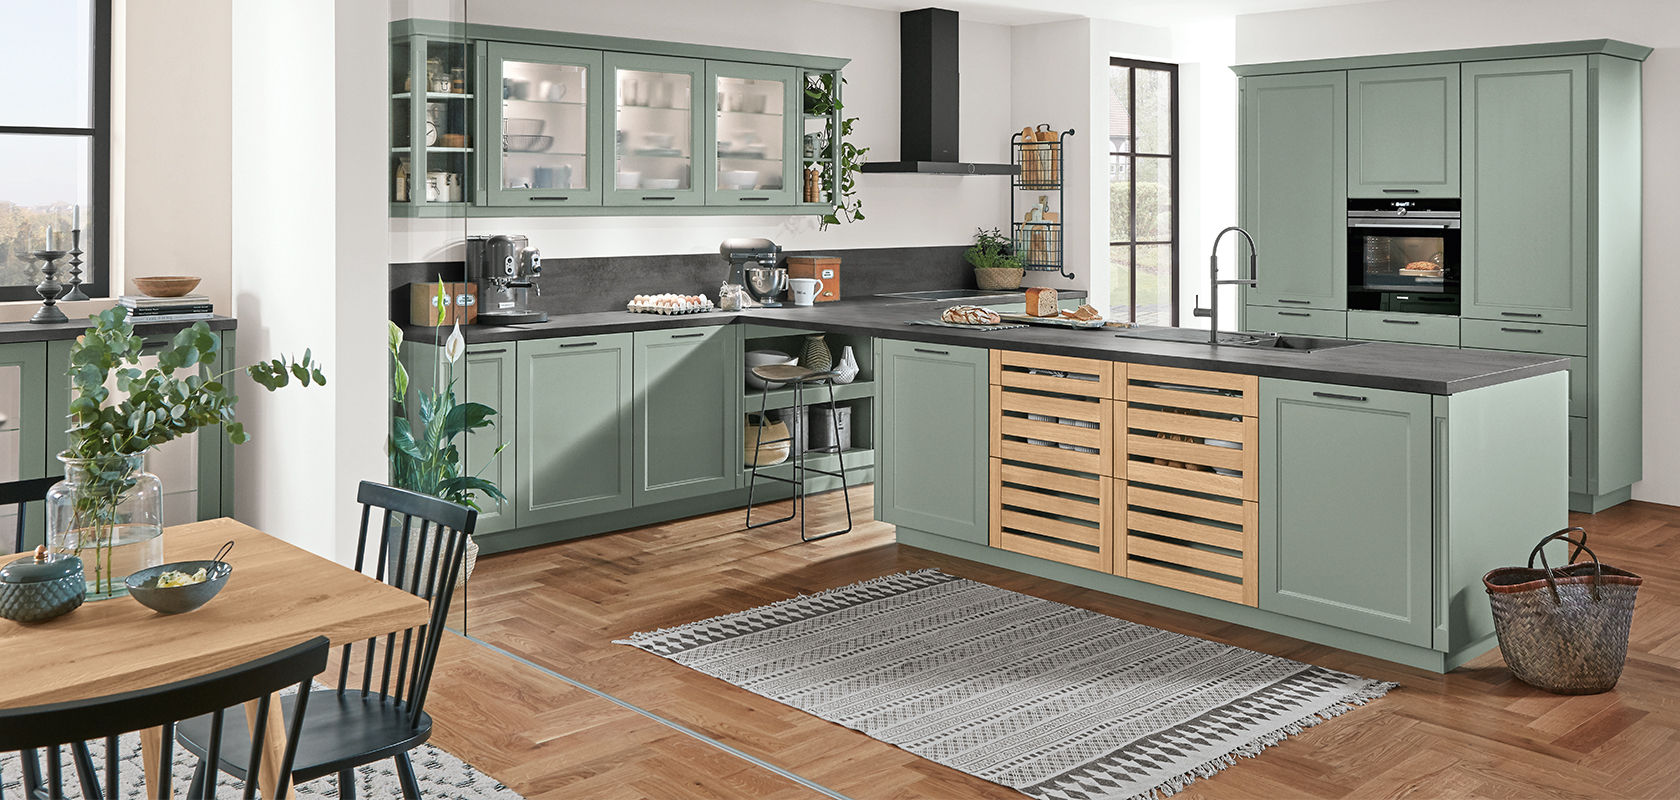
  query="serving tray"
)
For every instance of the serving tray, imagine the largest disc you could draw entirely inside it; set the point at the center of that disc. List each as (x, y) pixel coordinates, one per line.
(1054, 322)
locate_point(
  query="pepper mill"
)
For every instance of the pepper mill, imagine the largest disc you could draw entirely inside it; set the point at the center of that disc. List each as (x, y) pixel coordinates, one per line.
(49, 289)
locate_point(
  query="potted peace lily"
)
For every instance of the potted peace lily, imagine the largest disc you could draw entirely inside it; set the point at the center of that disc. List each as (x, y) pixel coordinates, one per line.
(108, 510)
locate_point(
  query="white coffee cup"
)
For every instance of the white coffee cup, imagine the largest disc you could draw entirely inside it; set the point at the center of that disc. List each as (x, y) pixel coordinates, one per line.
(805, 290)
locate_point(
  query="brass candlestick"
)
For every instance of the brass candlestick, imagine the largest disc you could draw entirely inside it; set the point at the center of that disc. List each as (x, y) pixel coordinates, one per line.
(75, 292)
(49, 289)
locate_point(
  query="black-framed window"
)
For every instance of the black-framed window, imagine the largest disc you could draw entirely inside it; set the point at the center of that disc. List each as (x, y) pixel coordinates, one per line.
(1143, 191)
(55, 140)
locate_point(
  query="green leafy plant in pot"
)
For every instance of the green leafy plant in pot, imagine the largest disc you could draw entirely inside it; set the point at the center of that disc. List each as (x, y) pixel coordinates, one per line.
(108, 510)
(996, 264)
(822, 98)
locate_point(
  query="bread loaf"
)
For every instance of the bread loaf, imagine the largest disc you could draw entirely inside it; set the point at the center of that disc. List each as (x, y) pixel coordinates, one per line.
(1041, 301)
(1085, 313)
(970, 315)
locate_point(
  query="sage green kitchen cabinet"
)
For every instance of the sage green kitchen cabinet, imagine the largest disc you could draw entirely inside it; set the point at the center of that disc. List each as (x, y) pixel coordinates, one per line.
(23, 431)
(490, 379)
(1403, 132)
(542, 141)
(660, 127)
(753, 126)
(687, 419)
(573, 427)
(934, 412)
(1346, 533)
(1292, 135)
(1525, 190)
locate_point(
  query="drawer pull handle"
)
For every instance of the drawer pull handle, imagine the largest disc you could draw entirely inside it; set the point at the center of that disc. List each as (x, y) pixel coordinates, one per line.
(1293, 314)
(581, 344)
(1522, 330)
(1398, 191)
(1299, 302)
(753, 199)
(1402, 322)
(659, 198)
(1352, 397)
(686, 335)
(935, 352)
(562, 197)
(486, 352)
(1519, 314)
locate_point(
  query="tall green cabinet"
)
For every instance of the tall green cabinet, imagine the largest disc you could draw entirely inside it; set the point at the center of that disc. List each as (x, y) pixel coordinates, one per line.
(1541, 144)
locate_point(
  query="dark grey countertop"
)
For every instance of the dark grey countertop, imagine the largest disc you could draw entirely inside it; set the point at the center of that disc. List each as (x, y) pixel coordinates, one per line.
(1375, 365)
(12, 332)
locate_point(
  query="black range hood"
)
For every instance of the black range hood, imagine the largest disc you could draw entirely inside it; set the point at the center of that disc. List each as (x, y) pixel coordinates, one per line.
(928, 104)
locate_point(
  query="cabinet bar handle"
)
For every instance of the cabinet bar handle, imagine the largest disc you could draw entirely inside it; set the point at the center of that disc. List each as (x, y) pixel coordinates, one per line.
(562, 197)
(752, 199)
(1396, 191)
(935, 352)
(1355, 398)
(1293, 314)
(486, 352)
(1402, 322)
(686, 335)
(1522, 330)
(1518, 314)
(581, 344)
(1300, 302)
(659, 198)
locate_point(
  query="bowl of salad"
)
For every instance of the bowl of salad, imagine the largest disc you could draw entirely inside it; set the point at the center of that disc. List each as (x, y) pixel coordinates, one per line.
(182, 586)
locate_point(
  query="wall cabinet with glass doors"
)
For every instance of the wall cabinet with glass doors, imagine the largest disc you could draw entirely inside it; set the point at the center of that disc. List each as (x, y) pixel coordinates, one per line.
(590, 125)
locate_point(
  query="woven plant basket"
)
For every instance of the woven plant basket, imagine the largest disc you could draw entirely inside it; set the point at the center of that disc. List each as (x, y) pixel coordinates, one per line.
(999, 278)
(1564, 630)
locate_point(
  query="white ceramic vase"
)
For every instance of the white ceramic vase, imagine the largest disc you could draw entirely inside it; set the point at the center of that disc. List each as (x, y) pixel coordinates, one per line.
(846, 370)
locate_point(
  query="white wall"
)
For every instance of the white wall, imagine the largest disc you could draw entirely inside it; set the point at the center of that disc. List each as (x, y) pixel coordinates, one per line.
(900, 210)
(1412, 25)
(1057, 78)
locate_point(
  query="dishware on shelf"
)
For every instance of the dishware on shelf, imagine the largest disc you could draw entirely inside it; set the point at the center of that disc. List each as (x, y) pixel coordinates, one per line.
(166, 285)
(527, 144)
(551, 91)
(738, 178)
(804, 290)
(659, 141)
(143, 585)
(523, 126)
(516, 89)
(661, 183)
(41, 586)
(629, 180)
(764, 358)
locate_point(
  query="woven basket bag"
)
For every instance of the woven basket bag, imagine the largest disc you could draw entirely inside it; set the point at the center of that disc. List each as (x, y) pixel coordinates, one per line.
(1564, 630)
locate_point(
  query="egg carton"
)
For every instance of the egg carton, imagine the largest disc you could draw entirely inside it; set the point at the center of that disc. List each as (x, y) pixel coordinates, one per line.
(688, 304)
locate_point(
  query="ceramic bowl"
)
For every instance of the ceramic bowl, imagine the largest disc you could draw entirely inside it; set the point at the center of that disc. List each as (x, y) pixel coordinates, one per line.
(738, 179)
(761, 358)
(166, 285)
(660, 141)
(661, 183)
(629, 180)
(142, 586)
(524, 127)
(527, 144)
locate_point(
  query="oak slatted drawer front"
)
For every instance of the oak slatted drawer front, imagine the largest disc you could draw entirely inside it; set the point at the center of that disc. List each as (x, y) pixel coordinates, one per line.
(1053, 428)
(1187, 516)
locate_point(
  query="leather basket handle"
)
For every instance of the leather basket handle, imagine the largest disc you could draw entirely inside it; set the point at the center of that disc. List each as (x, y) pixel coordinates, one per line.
(1580, 547)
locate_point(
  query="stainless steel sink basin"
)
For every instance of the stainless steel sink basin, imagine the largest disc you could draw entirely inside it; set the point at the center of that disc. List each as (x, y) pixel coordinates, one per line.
(1297, 344)
(947, 294)
(1291, 344)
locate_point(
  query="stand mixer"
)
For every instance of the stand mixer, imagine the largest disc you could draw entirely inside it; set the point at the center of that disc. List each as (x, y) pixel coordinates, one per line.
(753, 274)
(503, 266)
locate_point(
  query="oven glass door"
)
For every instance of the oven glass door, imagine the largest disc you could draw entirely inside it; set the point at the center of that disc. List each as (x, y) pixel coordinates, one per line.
(1403, 258)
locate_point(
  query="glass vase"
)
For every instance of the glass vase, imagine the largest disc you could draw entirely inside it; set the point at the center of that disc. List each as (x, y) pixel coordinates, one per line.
(108, 511)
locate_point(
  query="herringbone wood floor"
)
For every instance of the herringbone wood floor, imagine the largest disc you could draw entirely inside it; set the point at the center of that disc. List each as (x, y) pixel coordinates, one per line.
(1476, 732)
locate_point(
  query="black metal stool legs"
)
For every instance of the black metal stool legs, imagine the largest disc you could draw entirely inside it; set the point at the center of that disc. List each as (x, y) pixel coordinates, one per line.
(799, 377)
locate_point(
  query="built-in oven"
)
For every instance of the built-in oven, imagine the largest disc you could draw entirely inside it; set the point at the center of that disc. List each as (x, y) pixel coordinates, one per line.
(1403, 255)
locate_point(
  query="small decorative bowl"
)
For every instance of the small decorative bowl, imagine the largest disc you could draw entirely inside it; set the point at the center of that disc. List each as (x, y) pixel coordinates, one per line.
(166, 285)
(142, 586)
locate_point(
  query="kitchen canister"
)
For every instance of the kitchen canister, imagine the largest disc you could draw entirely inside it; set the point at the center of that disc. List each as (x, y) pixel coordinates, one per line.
(41, 586)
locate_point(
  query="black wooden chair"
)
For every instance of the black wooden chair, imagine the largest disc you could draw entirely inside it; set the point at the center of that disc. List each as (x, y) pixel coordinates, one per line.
(415, 543)
(21, 494)
(73, 723)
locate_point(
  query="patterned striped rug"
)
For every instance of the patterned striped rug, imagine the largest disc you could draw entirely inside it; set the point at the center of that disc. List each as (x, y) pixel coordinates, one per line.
(1057, 702)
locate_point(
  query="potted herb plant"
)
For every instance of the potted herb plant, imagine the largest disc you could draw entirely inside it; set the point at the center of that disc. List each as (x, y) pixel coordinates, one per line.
(996, 264)
(108, 510)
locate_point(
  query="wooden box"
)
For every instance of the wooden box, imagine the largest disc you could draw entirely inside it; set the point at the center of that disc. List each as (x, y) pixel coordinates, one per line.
(823, 268)
(460, 304)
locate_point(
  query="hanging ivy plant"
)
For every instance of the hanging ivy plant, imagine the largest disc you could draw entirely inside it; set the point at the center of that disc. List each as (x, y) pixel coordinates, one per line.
(822, 97)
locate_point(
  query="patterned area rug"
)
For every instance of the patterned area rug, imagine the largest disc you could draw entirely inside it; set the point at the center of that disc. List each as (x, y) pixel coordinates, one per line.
(439, 774)
(1057, 702)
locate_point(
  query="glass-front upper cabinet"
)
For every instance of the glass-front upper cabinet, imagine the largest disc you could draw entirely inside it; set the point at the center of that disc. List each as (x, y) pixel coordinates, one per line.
(754, 125)
(658, 136)
(431, 120)
(547, 133)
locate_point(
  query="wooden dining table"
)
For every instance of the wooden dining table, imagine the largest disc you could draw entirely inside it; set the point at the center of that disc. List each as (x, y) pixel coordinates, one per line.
(279, 595)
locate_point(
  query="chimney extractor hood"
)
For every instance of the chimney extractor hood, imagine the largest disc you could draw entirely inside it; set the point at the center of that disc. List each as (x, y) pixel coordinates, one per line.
(928, 105)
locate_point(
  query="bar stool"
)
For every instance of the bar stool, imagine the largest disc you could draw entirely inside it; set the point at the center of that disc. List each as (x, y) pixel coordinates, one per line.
(799, 377)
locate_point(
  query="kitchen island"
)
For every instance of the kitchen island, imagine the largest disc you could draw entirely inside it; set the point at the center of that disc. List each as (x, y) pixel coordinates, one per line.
(1351, 497)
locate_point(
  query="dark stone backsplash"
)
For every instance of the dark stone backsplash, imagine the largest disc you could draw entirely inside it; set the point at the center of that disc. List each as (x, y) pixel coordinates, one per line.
(585, 285)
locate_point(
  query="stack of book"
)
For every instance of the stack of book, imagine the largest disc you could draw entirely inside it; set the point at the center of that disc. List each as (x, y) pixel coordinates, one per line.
(185, 308)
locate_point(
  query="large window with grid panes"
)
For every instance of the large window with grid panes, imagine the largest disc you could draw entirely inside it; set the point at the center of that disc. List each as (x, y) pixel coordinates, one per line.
(1143, 191)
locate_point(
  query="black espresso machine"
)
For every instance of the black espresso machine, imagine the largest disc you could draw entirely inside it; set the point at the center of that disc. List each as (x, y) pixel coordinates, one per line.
(503, 267)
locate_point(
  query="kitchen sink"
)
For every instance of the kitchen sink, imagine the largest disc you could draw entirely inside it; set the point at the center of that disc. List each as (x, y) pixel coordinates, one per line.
(1298, 344)
(1291, 344)
(948, 294)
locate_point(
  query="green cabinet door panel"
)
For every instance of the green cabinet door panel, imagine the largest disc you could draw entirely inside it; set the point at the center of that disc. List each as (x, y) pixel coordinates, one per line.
(1346, 529)
(1525, 190)
(1403, 132)
(576, 148)
(657, 115)
(934, 427)
(1296, 320)
(23, 433)
(749, 134)
(1293, 187)
(573, 421)
(687, 424)
(490, 379)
